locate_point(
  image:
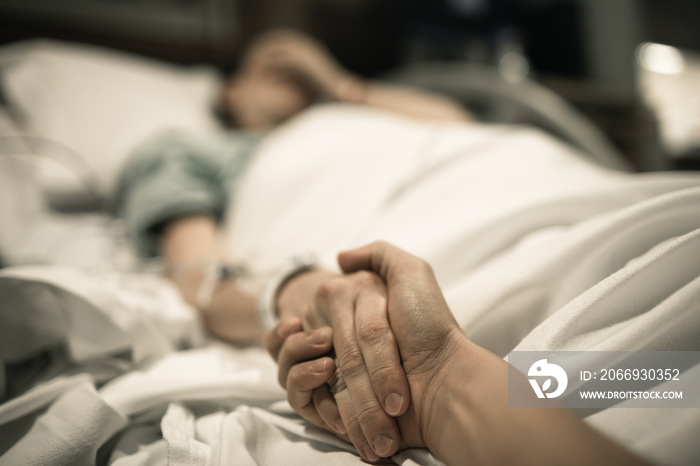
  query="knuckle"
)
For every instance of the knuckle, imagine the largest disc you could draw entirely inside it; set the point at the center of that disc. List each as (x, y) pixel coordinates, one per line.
(293, 379)
(373, 329)
(329, 288)
(308, 317)
(325, 289)
(384, 374)
(379, 244)
(289, 349)
(365, 278)
(424, 267)
(352, 424)
(370, 416)
(351, 363)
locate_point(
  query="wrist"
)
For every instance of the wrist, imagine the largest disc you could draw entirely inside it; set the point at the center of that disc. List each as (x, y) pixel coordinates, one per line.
(448, 401)
(267, 308)
(198, 280)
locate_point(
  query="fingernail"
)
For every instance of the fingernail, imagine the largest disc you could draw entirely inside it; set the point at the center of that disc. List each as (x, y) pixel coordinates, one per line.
(319, 367)
(382, 444)
(369, 453)
(393, 403)
(317, 337)
(340, 427)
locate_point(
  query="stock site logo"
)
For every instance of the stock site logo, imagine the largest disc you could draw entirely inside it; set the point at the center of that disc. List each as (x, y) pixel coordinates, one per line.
(541, 369)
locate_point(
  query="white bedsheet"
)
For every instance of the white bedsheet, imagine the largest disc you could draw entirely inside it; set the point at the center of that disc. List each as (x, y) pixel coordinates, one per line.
(536, 249)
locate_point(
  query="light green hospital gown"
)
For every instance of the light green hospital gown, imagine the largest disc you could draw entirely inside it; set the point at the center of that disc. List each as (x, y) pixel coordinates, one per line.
(176, 174)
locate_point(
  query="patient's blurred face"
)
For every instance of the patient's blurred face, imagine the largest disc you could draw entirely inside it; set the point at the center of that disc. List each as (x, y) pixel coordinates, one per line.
(260, 100)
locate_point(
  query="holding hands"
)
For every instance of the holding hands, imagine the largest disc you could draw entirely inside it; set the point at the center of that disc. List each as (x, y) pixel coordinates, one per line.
(392, 333)
(349, 314)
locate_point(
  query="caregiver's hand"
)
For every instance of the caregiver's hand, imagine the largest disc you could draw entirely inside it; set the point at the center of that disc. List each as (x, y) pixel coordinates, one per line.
(426, 332)
(355, 307)
(459, 391)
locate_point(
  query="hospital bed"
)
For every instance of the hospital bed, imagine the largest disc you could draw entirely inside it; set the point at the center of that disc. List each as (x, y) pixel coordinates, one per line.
(535, 242)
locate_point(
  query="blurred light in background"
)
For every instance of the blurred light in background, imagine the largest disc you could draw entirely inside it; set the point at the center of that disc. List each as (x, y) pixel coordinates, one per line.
(660, 58)
(669, 84)
(513, 67)
(468, 7)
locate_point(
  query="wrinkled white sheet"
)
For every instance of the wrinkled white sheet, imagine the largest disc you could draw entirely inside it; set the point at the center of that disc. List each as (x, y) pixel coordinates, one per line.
(535, 249)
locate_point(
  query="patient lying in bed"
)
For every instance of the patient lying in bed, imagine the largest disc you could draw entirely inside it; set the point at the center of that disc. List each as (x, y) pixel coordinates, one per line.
(173, 192)
(532, 246)
(510, 219)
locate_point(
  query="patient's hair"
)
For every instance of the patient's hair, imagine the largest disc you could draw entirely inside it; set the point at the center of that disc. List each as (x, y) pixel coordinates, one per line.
(219, 109)
(223, 114)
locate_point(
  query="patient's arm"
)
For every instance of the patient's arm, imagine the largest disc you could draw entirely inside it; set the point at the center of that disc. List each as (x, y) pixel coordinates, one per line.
(231, 315)
(292, 53)
(187, 244)
(402, 99)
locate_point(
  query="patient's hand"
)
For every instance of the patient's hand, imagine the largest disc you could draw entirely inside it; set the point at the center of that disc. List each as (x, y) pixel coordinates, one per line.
(304, 376)
(355, 307)
(293, 53)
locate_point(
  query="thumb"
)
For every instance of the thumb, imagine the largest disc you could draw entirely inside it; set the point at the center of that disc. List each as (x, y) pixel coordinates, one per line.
(356, 259)
(378, 257)
(386, 260)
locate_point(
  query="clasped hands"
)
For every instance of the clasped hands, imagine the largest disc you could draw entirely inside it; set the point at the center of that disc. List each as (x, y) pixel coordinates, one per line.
(385, 326)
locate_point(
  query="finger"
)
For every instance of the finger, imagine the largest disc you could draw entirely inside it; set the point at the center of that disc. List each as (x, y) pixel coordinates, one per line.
(301, 382)
(373, 426)
(409, 278)
(301, 347)
(327, 408)
(345, 405)
(397, 267)
(349, 415)
(381, 257)
(379, 348)
(273, 339)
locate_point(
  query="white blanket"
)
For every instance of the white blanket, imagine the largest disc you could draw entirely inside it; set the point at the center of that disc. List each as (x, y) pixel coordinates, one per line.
(535, 248)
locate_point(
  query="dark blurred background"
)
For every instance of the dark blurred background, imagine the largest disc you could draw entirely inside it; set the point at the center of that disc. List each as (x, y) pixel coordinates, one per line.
(584, 50)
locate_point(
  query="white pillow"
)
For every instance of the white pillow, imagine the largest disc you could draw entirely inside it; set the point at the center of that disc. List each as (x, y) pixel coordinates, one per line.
(100, 104)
